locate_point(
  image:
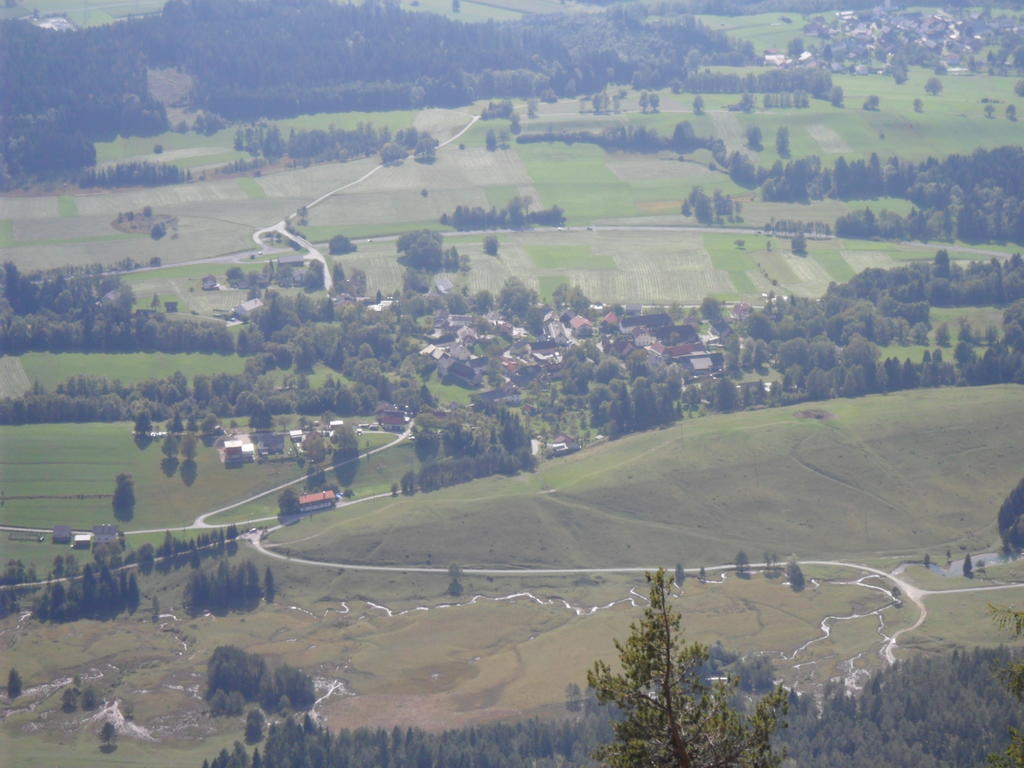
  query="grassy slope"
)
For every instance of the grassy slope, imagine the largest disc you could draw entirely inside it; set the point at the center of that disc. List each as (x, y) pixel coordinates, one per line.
(887, 475)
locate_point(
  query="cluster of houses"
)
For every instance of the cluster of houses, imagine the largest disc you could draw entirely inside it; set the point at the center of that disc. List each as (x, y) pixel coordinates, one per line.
(526, 360)
(99, 535)
(855, 38)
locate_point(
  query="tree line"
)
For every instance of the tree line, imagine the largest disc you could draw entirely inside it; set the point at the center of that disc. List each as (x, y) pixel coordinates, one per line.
(135, 174)
(629, 138)
(516, 214)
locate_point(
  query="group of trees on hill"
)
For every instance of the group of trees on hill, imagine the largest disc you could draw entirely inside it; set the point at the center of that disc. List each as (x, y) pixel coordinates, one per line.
(234, 677)
(227, 588)
(98, 594)
(467, 446)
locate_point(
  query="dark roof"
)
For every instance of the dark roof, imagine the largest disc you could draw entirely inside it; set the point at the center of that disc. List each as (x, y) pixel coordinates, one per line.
(291, 259)
(655, 320)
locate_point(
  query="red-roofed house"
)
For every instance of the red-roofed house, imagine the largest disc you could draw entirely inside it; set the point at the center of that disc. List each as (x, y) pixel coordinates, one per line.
(313, 502)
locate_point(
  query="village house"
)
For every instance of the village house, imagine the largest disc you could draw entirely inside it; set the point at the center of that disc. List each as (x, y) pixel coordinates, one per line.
(210, 283)
(62, 534)
(296, 260)
(563, 444)
(244, 310)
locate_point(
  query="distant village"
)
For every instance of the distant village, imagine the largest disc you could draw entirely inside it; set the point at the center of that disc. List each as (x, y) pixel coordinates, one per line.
(865, 42)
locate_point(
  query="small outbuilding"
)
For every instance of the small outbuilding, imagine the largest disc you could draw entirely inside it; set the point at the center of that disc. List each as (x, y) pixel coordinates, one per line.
(62, 534)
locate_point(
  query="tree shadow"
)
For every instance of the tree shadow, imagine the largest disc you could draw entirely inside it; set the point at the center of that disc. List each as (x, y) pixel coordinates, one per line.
(108, 748)
(124, 513)
(347, 472)
(143, 441)
(169, 466)
(189, 471)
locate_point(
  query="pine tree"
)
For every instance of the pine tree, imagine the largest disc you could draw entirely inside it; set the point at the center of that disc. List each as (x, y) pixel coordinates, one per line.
(671, 716)
(269, 590)
(13, 684)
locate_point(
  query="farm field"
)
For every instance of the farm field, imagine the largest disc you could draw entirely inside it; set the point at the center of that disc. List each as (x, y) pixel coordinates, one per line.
(883, 475)
(70, 459)
(593, 186)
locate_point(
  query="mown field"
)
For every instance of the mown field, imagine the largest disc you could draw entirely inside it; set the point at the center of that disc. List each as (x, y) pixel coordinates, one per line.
(884, 476)
(17, 374)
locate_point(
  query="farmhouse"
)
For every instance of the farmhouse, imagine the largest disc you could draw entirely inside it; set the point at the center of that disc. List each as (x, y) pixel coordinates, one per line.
(210, 283)
(291, 260)
(105, 534)
(314, 502)
(270, 444)
(62, 534)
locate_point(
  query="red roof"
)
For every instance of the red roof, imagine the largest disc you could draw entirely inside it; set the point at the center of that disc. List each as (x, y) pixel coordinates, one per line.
(611, 318)
(313, 498)
(391, 418)
(579, 321)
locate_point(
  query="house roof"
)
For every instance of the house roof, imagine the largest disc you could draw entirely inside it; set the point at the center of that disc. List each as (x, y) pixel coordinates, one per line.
(314, 498)
(291, 259)
(579, 322)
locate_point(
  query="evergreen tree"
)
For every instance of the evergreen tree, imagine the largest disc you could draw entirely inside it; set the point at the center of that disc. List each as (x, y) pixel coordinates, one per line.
(13, 684)
(123, 501)
(670, 715)
(269, 590)
(968, 567)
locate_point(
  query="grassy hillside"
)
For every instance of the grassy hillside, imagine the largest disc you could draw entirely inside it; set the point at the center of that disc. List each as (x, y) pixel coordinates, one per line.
(884, 475)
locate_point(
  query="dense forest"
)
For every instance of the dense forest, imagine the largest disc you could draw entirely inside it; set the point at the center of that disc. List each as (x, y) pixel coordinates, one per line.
(65, 90)
(942, 711)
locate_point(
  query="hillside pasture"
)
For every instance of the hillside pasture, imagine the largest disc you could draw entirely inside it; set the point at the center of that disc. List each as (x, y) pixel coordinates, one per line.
(883, 475)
